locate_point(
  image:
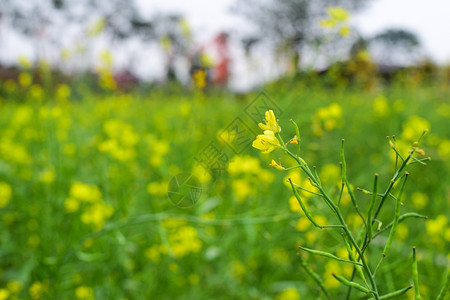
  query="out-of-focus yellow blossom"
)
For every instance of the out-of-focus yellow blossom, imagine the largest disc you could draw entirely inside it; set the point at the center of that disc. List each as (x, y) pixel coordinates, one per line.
(36, 92)
(5, 194)
(414, 127)
(121, 140)
(419, 200)
(97, 214)
(337, 268)
(402, 231)
(249, 167)
(266, 142)
(294, 206)
(63, 92)
(381, 107)
(330, 174)
(166, 43)
(84, 293)
(200, 78)
(48, 175)
(329, 117)
(203, 175)
(238, 270)
(184, 240)
(157, 188)
(338, 18)
(71, 205)
(436, 227)
(85, 192)
(290, 293)
(97, 27)
(344, 31)
(24, 62)
(444, 149)
(38, 289)
(354, 221)
(4, 294)
(69, 149)
(242, 189)
(14, 286)
(338, 13)
(270, 122)
(25, 79)
(155, 252)
(104, 70)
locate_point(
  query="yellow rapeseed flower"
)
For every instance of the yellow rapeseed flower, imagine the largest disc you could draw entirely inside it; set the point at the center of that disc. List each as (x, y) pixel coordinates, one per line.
(271, 122)
(5, 194)
(266, 142)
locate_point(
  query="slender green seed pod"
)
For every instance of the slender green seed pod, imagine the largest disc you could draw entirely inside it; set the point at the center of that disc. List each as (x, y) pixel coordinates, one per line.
(314, 275)
(396, 293)
(344, 165)
(396, 217)
(307, 214)
(329, 255)
(415, 273)
(371, 208)
(351, 284)
(353, 258)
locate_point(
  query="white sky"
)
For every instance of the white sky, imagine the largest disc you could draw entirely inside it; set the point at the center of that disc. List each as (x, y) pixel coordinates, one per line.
(429, 19)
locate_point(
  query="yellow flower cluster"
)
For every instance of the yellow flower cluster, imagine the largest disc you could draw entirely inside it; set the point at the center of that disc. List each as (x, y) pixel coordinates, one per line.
(327, 118)
(38, 289)
(268, 142)
(337, 18)
(121, 140)
(247, 172)
(85, 293)
(96, 211)
(182, 240)
(12, 290)
(5, 194)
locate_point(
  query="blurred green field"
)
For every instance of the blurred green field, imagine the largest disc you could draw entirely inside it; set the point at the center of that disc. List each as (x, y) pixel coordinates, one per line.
(85, 212)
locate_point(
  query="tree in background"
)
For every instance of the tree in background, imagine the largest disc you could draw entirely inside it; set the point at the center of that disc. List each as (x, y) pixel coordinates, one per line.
(395, 46)
(292, 25)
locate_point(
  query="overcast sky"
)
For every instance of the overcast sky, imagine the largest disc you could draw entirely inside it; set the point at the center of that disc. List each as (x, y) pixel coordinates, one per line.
(430, 19)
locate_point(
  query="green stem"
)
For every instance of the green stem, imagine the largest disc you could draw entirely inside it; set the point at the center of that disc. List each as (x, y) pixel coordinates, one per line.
(337, 212)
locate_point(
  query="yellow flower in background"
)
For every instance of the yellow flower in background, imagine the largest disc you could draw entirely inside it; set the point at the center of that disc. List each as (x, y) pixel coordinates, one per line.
(266, 142)
(414, 127)
(338, 13)
(5, 194)
(270, 122)
(25, 79)
(381, 107)
(290, 293)
(38, 289)
(419, 200)
(4, 294)
(84, 293)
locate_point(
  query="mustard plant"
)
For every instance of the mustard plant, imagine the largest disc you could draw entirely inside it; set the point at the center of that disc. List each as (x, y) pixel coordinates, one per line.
(365, 263)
